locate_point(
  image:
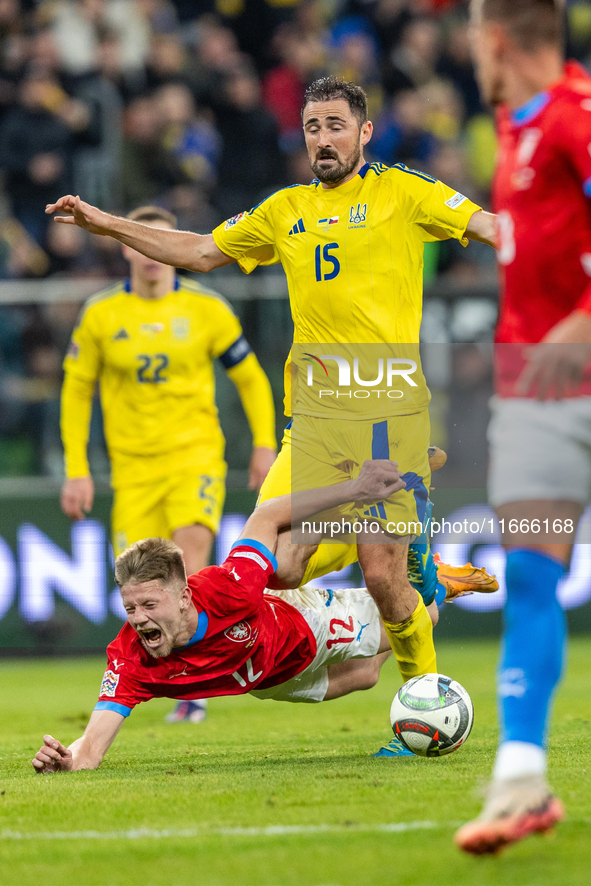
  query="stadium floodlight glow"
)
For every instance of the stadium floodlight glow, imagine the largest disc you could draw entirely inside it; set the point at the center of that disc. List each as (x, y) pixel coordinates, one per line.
(7, 578)
(230, 528)
(45, 569)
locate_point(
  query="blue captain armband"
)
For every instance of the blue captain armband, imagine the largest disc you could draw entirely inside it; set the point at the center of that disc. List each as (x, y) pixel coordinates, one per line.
(261, 549)
(113, 706)
(235, 353)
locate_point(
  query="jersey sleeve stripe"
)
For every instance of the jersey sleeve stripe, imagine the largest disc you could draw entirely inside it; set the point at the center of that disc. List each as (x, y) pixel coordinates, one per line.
(587, 187)
(423, 175)
(257, 546)
(235, 353)
(113, 706)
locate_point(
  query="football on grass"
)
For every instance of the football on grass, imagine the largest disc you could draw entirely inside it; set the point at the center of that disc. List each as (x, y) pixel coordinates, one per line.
(432, 715)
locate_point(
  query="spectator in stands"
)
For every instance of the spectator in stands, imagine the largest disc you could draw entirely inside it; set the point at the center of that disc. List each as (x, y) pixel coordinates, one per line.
(77, 25)
(110, 66)
(401, 134)
(217, 54)
(148, 170)
(37, 141)
(455, 64)
(444, 109)
(188, 135)
(12, 49)
(301, 61)
(66, 249)
(412, 63)
(250, 139)
(355, 59)
(192, 206)
(162, 15)
(167, 62)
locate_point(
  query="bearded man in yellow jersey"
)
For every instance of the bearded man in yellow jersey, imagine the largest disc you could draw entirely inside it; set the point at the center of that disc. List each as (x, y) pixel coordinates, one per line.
(351, 244)
(151, 342)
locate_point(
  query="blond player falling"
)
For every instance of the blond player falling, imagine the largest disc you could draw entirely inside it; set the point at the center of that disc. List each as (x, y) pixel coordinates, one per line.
(151, 342)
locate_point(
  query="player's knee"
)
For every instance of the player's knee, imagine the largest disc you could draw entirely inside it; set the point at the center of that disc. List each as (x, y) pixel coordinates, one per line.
(382, 575)
(369, 676)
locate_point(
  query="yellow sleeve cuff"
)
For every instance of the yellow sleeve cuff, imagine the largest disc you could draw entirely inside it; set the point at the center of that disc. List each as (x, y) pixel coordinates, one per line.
(248, 260)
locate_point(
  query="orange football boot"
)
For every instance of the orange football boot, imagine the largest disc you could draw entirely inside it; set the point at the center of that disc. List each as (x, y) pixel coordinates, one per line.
(459, 581)
(514, 809)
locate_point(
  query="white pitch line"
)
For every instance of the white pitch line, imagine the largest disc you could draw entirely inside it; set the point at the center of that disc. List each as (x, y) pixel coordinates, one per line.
(397, 827)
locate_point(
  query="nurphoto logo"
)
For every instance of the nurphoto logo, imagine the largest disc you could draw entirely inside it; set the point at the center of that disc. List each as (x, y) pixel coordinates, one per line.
(388, 372)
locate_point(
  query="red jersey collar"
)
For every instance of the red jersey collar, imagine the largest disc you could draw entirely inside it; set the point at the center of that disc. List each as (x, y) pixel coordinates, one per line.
(575, 78)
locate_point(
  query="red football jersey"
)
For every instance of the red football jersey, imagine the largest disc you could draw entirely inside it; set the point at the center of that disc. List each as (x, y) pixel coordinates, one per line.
(245, 640)
(542, 194)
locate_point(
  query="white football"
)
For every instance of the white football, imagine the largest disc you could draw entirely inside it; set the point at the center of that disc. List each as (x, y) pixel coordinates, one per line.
(432, 715)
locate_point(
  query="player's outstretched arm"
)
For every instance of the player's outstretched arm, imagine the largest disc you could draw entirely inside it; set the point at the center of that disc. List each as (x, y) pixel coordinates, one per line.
(181, 249)
(377, 480)
(483, 227)
(86, 752)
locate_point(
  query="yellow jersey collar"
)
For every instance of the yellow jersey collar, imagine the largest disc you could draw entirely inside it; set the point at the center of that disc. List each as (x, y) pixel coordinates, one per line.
(175, 288)
(351, 185)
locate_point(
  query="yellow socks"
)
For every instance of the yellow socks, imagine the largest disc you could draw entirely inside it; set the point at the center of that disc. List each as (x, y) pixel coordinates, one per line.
(412, 643)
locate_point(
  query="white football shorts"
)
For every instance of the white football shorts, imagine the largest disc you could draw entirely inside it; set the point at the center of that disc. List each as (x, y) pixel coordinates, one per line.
(539, 450)
(346, 624)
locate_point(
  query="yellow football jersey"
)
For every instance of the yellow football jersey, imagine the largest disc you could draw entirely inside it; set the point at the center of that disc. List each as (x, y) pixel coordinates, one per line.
(353, 255)
(154, 361)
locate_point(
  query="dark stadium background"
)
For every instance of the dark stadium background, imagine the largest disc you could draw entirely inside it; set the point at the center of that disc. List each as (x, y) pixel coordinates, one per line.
(195, 105)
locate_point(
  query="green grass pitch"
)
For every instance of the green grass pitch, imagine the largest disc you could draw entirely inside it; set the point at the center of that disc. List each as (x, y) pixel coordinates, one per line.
(270, 794)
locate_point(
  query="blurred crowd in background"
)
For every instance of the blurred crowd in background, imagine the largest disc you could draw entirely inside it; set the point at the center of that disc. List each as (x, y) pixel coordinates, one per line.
(195, 105)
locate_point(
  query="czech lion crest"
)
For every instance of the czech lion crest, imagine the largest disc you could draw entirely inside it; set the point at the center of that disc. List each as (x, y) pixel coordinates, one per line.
(239, 633)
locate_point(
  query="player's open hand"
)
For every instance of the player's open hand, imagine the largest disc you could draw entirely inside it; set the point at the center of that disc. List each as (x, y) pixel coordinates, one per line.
(377, 480)
(553, 371)
(77, 212)
(53, 757)
(260, 464)
(77, 497)
(555, 368)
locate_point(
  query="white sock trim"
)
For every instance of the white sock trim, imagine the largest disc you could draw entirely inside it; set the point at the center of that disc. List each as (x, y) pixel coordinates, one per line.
(519, 758)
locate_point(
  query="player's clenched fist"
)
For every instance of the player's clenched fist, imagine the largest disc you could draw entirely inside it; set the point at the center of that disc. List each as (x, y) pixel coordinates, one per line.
(53, 757)
(77, 212)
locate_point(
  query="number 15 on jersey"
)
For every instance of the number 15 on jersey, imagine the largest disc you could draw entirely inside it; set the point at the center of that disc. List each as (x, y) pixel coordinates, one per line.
(327, 265)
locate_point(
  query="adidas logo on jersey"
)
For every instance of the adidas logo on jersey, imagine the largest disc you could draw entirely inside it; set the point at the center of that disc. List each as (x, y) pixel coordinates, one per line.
(298, 228)
(121, 335)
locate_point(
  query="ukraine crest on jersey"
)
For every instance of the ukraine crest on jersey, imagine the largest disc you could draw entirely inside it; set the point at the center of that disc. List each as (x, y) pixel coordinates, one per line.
(353, 254)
